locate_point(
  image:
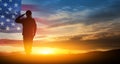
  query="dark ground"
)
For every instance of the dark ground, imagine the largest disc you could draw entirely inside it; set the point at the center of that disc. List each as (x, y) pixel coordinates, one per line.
(96, 57)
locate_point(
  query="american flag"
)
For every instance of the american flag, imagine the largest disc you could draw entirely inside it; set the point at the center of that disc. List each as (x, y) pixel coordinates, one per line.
(9, 10)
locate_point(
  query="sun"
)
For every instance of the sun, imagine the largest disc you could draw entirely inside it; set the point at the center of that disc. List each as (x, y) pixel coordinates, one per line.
(49, 50)
(44, 50)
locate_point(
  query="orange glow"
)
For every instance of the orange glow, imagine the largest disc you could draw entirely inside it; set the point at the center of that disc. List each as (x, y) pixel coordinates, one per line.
(48, 50)
(42, 51)
(45, 50)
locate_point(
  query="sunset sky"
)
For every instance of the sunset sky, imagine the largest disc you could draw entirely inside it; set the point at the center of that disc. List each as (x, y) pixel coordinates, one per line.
(73, 26)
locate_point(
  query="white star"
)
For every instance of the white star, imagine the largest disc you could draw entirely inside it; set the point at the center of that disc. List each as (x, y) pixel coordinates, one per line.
(15, 13)
(18, 28)
(0, 8)
(7, 28)
(13, 16)
(13, 24)
(5, 4)
(8, 20)
(10, 0)
(2, 16)
(15, 4)
(2, 23)
(9, 8)
(7, 12)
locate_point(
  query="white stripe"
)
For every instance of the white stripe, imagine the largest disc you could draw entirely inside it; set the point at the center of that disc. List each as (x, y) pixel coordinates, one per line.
(13, 36)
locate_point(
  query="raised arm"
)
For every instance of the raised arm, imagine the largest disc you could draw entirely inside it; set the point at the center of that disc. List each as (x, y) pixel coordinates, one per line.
(18, 19)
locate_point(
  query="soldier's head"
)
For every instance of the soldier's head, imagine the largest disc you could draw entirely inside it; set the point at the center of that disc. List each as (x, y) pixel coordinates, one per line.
(28, 13)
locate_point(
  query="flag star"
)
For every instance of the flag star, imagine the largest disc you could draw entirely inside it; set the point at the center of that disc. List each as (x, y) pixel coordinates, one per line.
(16, 5)
(16, 13)
(9, 8)
(2, 16)
(13, 24)
(10, 0)
(5, 4)
(0, 8)
(7, 28)
(2, 23)
(7, 12)
(13, 16)
(18, 28)
(8, 20)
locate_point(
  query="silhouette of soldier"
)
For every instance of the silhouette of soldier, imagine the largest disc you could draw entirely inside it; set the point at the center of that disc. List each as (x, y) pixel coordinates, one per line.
(29, 30)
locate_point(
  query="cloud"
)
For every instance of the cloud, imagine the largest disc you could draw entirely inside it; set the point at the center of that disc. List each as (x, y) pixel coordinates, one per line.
(104, 33)
(107, 12)
(108, 40)
(100, 40)
(60, 12)
(62, 17)
(100, 36)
